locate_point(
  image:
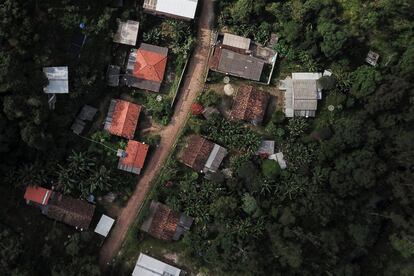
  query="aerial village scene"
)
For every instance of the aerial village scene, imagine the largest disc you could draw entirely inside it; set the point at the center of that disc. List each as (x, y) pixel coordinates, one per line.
(207, 137)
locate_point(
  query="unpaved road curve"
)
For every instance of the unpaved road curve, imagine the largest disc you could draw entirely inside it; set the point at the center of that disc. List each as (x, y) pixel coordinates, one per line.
(193, 83)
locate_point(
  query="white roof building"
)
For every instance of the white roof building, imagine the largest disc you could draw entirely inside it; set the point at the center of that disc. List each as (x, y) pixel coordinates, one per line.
(58, 80)
(236, 41)
(104, 225)
(302, 92)
(148, 266)
(127, 32)
(184, 9)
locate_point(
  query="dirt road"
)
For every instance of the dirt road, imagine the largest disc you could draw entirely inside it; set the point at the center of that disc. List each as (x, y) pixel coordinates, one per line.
(192, 85)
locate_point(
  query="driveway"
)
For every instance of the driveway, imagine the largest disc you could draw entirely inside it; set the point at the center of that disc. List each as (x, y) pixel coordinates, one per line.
(193, 83)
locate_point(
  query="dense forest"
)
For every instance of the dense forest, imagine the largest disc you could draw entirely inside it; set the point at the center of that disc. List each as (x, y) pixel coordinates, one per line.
(344, 205)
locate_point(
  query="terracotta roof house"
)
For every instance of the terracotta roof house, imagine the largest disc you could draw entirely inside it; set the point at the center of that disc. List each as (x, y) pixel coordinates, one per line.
(134, 160)
(181, 9)
(201, 154)
(148, 266)
(302, 92)
(165, 224)
(74, 212)
(249, 104)
(146, 67)
(127, 32)
(37, 195)
(237, 64)
(122, 118)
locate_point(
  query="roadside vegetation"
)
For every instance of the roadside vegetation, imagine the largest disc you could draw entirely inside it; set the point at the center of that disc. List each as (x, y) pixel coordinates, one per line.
(344, 204)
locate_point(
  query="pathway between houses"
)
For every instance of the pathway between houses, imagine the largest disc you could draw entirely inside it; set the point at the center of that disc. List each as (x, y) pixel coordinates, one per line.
(193, 83)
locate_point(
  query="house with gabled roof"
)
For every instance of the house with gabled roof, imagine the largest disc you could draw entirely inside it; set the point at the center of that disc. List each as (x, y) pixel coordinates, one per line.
(37, 195)
(74, 212)
(180, 9)
(302, 92)
(133, 158)
(146, 67)
(201, 154)
(165, 224)
(250, 104)
(122, 118)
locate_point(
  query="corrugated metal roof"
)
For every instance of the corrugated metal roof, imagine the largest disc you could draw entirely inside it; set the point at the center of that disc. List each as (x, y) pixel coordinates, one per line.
(37, 194)
(58, 80)
(236, 41)
(104, 225)
(148, 266)
(240, 65)
(181, 8)
(127, 32)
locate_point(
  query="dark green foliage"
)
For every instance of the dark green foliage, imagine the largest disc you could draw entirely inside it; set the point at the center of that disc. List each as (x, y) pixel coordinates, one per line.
(232, 134)
(209, 98)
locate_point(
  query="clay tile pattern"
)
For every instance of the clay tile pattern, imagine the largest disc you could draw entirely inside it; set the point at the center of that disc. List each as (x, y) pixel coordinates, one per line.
(249, 104)
(136, 154)
(74, 212)
(150, 65)
(125, 119)
(164, 223)
(196, 152)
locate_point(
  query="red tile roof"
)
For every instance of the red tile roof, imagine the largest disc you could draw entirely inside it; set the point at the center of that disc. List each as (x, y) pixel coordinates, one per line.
(136, 154)
(196, 152)
(37, 194)
(75, 212)
(150, 65)
(249, 104)
(125, 119)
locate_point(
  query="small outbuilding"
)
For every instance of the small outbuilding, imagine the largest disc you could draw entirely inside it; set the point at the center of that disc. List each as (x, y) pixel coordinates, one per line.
(267, 147)
(148, 266)
(104, 225)
(112, 75)
(372, 58)
(58, 78)
(86, 115)
(37, 195)
(122, 118)
(127, 32)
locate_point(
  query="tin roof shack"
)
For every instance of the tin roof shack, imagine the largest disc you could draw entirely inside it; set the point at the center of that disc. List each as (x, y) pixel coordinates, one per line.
(85, 115)
(201, 154)
(249, 105)
(104, 225)
(302, 92)
(148, 266)
(146, 67)
(74, 212)
(127, 32)
(267, 148)
(372, 58)
(37, 196)
(165, 224)
(112, 75)
(122, 118)
(134, 160)
(58, 78)
(180, 9)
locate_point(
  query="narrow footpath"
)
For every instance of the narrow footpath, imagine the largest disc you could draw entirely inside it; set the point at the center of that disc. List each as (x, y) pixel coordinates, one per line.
(193, 83)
